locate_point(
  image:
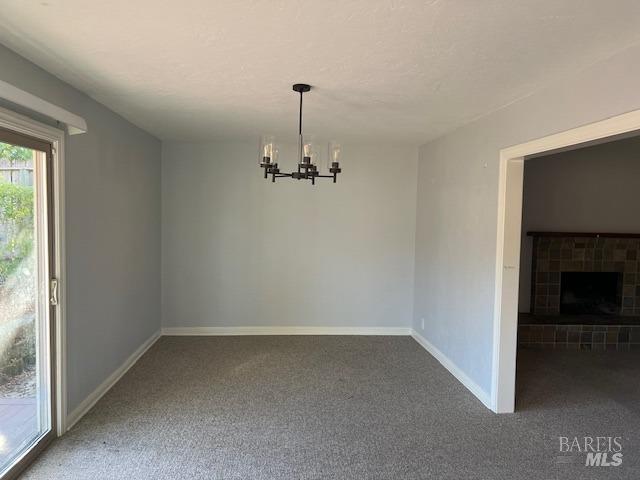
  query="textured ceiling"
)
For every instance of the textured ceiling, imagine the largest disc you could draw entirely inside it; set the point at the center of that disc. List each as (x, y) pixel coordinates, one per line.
(396, 70)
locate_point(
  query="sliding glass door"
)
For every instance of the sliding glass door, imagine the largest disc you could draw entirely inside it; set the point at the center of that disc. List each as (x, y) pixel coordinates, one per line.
(27, 296)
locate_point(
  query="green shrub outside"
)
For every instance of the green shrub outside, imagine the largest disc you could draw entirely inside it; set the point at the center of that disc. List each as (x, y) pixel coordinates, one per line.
(16, 213)
(16, 218)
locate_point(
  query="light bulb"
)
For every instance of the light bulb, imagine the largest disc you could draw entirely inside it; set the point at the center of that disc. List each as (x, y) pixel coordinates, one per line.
(268, 150)
(335, 152)
(309, 149)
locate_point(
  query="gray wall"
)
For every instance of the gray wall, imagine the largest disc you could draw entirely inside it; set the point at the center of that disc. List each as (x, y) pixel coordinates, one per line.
(593, 189)
(113, 231)
(457, 204)
(241, 251)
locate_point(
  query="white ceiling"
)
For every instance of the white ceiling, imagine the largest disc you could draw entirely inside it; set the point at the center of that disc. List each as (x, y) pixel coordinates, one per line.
(404, 71)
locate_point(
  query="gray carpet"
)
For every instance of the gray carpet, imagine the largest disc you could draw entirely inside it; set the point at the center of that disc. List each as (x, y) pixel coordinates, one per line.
(307, 407)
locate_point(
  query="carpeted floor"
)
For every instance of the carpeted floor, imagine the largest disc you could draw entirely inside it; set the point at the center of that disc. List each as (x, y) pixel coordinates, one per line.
(306, 407)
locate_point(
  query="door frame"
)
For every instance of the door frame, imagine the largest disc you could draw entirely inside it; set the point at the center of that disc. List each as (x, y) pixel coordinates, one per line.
(510, 185)
(21, 124)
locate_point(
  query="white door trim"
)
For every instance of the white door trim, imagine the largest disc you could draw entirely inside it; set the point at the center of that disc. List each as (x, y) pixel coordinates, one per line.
(508, 243)
(27, 126)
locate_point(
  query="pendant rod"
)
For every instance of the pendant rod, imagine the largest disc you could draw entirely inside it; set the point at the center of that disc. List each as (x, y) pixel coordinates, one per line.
(300, 117)
(300, 88)
(300, 146)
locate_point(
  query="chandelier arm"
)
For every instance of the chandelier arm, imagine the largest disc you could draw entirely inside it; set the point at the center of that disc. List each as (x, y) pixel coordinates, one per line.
(334, 176)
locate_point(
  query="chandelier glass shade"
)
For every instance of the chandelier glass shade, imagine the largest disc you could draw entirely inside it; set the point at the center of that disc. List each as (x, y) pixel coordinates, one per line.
(309, 153)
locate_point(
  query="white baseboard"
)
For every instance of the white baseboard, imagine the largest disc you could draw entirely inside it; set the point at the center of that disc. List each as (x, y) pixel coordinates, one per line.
(220, 331)
(93, 397)
(446, 362)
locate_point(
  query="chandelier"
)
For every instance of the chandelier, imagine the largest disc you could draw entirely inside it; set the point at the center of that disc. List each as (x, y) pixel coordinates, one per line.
(308, 153)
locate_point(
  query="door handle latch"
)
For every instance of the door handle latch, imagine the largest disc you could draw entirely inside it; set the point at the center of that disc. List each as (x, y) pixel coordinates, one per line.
(53, 291)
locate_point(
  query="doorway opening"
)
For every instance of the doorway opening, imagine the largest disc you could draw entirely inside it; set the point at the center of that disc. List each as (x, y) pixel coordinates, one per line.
(510, 239)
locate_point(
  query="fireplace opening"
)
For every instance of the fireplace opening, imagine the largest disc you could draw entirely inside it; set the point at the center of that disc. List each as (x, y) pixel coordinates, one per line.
(595, 293)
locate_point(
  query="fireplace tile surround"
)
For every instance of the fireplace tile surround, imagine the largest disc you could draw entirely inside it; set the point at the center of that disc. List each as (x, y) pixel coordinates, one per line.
(555, 254)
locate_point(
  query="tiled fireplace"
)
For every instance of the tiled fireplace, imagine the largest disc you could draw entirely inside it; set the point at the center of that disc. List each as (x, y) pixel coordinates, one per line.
(554, 255)
(584, 286)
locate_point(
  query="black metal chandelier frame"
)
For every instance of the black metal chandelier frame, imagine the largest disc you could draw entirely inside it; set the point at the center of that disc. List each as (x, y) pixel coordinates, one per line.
(306, 169)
